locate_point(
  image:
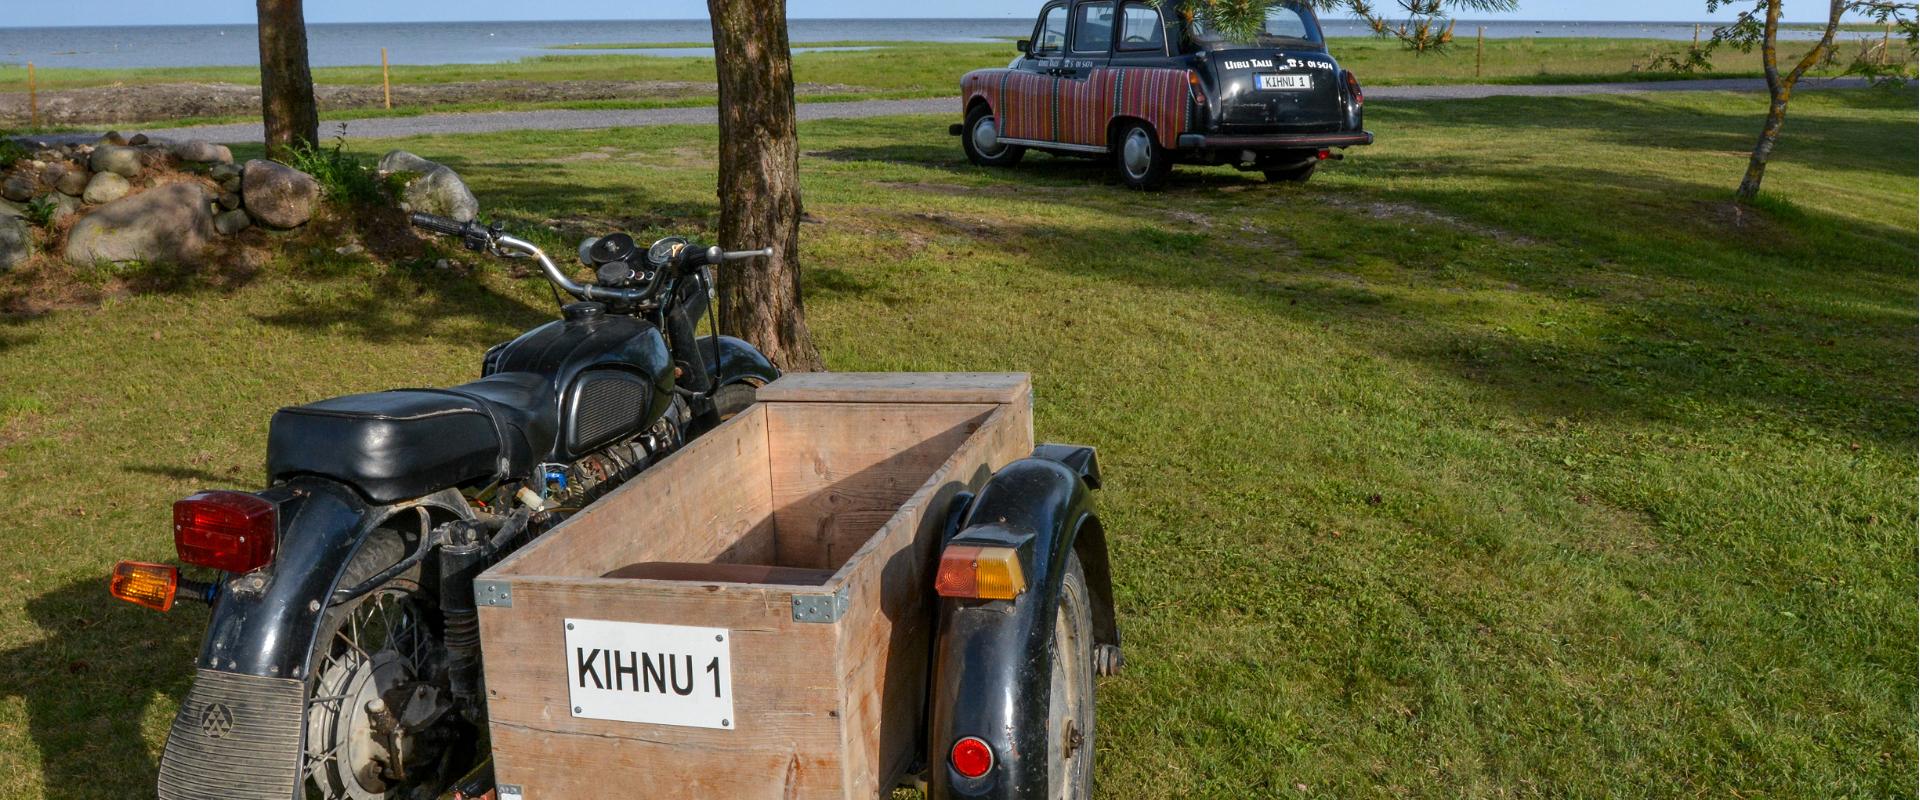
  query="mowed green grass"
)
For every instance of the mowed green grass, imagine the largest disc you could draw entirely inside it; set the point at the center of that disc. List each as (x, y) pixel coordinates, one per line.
(1504, 459)
(908, 69)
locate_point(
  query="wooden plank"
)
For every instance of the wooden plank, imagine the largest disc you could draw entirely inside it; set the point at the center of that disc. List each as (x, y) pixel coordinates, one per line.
(885, 635)
(898, 387)
(785, 686)
(841, 470)
(710, 501)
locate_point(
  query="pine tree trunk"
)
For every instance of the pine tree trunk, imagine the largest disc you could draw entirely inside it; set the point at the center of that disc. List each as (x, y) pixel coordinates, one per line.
(286, 81)
(760, 180)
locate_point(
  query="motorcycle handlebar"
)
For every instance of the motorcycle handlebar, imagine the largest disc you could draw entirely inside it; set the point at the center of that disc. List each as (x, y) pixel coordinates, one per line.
(438, 224)
(494, 239)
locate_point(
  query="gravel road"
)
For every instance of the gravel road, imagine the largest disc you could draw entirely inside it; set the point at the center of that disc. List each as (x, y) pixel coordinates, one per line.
(486, 122)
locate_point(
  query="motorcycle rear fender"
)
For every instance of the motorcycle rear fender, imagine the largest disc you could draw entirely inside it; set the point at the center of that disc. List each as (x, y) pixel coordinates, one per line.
(992, 664)
(264, 622)
(739, 362)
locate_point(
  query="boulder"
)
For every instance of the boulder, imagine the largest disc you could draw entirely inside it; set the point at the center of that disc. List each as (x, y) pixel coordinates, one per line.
(232, 222)
(202, 151)
(222, 172)
(16, 242)
(122, 161)
(8, 208)
(228, 201)
(73, 182)
(18, 188)
(170, 223)
(106, 187)
(278, 195)
(440, 192)
(63, 206)
(403, 161)
(113, 138)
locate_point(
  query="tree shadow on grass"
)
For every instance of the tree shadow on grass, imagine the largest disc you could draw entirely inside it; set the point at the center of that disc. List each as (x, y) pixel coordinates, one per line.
(90, 682)
(1699, 318)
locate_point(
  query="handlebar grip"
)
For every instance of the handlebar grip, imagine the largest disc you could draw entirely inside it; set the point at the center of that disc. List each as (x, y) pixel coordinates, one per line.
(438, 224)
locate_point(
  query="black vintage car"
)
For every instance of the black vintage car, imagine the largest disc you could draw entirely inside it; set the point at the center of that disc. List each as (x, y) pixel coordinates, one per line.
(1137, 82)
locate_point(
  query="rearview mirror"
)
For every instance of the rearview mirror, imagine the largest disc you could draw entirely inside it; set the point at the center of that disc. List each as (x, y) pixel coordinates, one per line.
(1023, 45)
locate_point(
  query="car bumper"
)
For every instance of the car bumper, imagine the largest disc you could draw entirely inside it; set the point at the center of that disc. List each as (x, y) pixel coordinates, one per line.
(1274, 141)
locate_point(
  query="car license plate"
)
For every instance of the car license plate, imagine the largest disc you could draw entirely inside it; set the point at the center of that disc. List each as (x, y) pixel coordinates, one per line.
(1281, 83)
(658, 674)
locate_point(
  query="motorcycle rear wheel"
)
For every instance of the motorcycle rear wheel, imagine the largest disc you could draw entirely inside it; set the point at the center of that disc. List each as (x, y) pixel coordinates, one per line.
(382, 645)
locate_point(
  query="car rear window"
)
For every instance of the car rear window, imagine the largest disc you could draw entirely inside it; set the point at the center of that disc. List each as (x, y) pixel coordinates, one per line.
(1287, 22)
(1093, 28)
(1140, 27)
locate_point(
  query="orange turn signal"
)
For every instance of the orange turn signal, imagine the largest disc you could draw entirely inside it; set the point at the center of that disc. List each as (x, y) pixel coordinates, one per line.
(142, 584)
(983, 573)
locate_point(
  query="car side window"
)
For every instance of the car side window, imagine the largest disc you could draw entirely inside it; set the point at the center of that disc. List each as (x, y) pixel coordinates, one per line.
(1093, 27)
(1053, 31)
(1140, 28)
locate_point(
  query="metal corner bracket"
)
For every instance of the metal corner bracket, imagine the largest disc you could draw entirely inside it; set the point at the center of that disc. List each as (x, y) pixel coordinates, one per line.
(820, 607)
(497, 594)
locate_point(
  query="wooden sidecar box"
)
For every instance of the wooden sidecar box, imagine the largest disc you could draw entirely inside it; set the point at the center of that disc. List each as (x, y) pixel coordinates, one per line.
(749, 618)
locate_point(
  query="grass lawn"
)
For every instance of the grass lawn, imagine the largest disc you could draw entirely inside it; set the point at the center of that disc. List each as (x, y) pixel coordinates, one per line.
(899, 70)
(1505, 459)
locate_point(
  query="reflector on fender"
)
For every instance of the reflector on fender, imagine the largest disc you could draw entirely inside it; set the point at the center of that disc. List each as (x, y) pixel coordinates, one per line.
(228, 531)
(971, 757)
(984, 573)
(143, 584)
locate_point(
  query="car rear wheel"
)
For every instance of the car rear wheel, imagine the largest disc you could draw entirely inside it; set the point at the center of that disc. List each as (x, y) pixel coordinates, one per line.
(1298, 174)
(981, 140)
(1140, 159)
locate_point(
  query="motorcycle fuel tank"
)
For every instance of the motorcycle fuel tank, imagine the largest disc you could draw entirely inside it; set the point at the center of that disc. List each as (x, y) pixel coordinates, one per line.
(612, 374)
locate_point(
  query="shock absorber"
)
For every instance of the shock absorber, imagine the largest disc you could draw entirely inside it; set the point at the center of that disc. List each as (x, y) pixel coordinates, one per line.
(461, 559)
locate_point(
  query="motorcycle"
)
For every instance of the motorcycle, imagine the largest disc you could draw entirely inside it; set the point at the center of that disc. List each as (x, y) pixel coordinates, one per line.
(342, 656)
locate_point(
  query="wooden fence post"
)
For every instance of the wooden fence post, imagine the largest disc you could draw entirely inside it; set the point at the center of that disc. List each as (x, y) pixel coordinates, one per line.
(1696, 36)
(386, 79)
(1886, 42)
(1479, 49)
(33, 98)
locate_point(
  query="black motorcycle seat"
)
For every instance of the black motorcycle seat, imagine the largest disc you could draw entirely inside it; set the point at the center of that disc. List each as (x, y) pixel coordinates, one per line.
(408, 443)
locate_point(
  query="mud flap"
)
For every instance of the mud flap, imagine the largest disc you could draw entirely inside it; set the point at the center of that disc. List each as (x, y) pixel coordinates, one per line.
(237, 737)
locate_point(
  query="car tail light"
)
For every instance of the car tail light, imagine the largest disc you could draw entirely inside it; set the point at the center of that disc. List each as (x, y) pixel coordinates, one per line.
(983, 573)
(143, 584)
(971, 757)
(228, 531)
(1353, 88)
(1198, 92)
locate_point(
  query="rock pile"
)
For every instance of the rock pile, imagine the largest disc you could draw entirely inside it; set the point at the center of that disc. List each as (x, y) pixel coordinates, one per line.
(134, 204)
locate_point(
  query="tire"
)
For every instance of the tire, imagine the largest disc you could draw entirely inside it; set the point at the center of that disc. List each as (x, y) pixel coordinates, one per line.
(1137, 155)
(993, 154)
(342, 760)
(1070, 703)
(1298, 174)
(734, 398)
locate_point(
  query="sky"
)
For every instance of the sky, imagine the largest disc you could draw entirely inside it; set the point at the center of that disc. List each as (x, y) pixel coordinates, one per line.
(190, 12)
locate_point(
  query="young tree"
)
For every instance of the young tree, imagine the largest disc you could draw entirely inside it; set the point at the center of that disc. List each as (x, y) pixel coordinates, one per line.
(286, 81)
(760, 180)
(1759, 26)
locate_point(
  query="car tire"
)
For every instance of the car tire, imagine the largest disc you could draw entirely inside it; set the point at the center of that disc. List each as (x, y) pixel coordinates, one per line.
(993, 154)
(1298, 174)
(1137, 155)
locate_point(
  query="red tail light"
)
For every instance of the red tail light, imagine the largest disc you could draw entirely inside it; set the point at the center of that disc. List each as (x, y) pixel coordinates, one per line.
(971, 757)
(228, 531)
(1353, 88)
